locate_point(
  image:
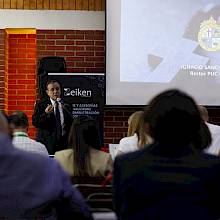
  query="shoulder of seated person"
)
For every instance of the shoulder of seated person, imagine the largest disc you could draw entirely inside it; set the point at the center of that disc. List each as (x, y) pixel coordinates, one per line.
(95, 151)
(36, 142)
(98, 152)
(133, 138)
(129, 156)
(63, 152)
(214, 128)
(210, 125)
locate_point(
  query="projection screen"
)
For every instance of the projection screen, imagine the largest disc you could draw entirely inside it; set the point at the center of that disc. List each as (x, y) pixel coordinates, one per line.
(154, 45)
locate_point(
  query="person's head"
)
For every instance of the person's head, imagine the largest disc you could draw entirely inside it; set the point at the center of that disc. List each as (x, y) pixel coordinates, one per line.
(203, 112)
(4, 127)
(18, 121)
(173, 119)
(83, 135)
(53, 89)
(136, 126)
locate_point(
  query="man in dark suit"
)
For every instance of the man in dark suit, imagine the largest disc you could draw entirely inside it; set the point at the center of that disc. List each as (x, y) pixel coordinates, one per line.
(53, 119)
(171, 179)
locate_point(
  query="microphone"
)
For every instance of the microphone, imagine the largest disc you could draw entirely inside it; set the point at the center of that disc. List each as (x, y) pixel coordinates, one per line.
(59, 100)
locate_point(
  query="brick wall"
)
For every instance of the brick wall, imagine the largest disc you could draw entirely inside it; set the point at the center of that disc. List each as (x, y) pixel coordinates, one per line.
(2, 68)
(6, 72)
(21, 63)
(116, 123)
(84, 51)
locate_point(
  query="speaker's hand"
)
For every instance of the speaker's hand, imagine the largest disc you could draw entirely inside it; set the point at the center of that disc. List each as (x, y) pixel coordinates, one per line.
(49, 109)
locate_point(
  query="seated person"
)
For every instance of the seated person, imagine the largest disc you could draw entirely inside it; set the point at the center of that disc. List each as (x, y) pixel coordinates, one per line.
(83, 159)
(35, 187)
(18, 123)
(136, 137)
(173, 178)
(214, 148)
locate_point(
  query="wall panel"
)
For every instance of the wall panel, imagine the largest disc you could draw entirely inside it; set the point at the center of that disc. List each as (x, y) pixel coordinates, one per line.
(79, 4)
(103, 5)
(66, 5)
(98, 5)
(91, 5)
(7, 4)
(40, 4)
(85, 5)
(20, 4)
(59, 4)
(26, 4)
(72, 4)
(13, 4)
(33, 4)
(52, 4)
(46, 4)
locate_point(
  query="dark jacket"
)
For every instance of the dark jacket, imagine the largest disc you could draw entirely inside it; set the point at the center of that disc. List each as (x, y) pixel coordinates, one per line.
(46, 125)
(152, 185)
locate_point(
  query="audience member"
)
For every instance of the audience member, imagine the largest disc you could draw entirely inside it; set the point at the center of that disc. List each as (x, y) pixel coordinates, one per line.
(136, 136)
(18, 123)
(53, 119)
(172, 178)
(83, 159)
(214, 148)
(35, 187)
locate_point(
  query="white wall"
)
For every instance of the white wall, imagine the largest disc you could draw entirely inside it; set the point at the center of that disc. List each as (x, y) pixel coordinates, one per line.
(52, 19)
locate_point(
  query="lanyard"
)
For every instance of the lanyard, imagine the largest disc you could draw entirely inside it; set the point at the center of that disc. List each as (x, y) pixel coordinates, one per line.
(20, 135)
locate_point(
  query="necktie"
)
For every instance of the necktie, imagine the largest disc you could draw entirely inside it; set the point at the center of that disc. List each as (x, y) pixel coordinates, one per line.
(58, 121)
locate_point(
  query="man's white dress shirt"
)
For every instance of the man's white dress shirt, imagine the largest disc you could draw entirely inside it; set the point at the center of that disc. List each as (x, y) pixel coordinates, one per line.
(22, 141)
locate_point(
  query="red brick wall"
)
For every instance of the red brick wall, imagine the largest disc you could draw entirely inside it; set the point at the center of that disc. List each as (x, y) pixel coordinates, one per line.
(6, 73)
(116, 123)
(21, 74)
(2, 68)
(84, 51)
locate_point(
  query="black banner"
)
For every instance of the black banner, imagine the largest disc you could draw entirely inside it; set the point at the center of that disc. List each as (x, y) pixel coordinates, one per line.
(84, 92)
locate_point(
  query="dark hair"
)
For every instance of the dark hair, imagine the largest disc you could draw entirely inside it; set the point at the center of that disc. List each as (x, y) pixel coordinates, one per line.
(84, 134)
(174, 120)
(52, 81)
(18, 119)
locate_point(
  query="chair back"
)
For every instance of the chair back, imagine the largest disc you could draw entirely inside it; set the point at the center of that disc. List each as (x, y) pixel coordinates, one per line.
(96, 195)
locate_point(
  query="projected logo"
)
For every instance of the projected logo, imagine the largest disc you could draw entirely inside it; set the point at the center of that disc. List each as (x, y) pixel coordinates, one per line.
(209, 35)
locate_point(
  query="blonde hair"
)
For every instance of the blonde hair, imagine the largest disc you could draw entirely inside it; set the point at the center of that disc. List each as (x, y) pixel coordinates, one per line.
(136, 126)
(203, 112)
